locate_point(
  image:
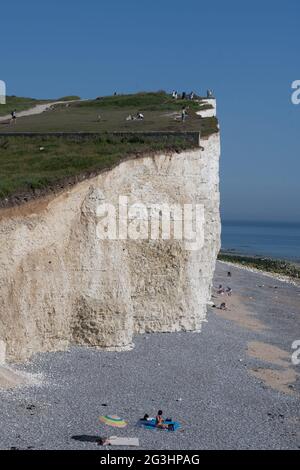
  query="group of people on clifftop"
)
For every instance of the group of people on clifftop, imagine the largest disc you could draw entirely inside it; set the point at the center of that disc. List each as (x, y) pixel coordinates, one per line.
(176, 96)
(183, 96)
(189, 96)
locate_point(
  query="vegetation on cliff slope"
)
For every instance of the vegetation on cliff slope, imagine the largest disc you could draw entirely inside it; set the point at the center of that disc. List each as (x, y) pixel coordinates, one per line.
(33, 164)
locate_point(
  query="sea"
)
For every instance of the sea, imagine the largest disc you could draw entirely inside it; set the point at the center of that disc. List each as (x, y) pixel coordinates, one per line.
(273, 240)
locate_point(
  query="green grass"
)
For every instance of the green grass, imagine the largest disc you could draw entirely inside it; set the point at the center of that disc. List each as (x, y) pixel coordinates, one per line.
(209, 126)
(154, 101)
(86, 120)
(161, 111)
(263, 264)
(25, 168)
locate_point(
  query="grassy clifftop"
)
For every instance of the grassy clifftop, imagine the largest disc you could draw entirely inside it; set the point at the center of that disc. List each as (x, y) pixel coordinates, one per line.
(108, 114)
(146, 101)
(32, 165)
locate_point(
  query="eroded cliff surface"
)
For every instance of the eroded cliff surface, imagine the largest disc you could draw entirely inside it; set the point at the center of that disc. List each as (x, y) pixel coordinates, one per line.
(60, 284)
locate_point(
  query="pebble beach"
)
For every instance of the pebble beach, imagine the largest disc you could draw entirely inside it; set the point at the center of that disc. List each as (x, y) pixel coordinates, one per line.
(232, 386)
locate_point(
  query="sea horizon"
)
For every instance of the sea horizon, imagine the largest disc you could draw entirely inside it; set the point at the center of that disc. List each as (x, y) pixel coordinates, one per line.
(276, 240)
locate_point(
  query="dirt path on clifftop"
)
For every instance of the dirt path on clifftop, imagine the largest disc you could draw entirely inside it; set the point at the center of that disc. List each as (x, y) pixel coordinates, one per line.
(38, 109)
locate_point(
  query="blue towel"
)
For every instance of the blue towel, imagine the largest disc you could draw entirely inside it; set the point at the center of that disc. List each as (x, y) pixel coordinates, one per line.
(152, 424)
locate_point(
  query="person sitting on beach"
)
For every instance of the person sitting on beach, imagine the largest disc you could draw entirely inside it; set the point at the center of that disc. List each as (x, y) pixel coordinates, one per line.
(221, 289)
(223, 306)
(146, 418)
(140, 116)
(228, 291)
(159, 421)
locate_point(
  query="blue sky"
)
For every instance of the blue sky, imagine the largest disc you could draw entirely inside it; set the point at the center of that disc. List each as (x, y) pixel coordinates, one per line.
(246, 51)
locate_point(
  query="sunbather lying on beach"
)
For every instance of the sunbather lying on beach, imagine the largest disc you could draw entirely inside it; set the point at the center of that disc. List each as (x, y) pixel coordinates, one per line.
(159, 422)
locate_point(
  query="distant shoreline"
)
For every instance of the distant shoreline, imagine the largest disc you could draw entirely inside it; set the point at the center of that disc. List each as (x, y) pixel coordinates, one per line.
(260, 223)
(287, 270)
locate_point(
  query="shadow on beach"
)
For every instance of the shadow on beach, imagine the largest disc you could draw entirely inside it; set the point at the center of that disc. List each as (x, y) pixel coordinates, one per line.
(86, 438)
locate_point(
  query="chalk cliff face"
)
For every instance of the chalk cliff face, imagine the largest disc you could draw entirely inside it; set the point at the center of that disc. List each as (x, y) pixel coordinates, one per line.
(60, 284)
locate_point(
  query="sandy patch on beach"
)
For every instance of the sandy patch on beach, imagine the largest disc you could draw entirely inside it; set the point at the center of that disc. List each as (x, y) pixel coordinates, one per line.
(281, 379)
(239, 313)
(283, 376)
(268, 353)
(277, 379)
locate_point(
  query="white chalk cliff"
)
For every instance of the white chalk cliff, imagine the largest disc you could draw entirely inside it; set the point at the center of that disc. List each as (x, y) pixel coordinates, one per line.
(61, 285)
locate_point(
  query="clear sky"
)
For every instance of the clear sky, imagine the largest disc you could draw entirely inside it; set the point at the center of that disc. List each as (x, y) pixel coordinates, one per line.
(246, 51)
